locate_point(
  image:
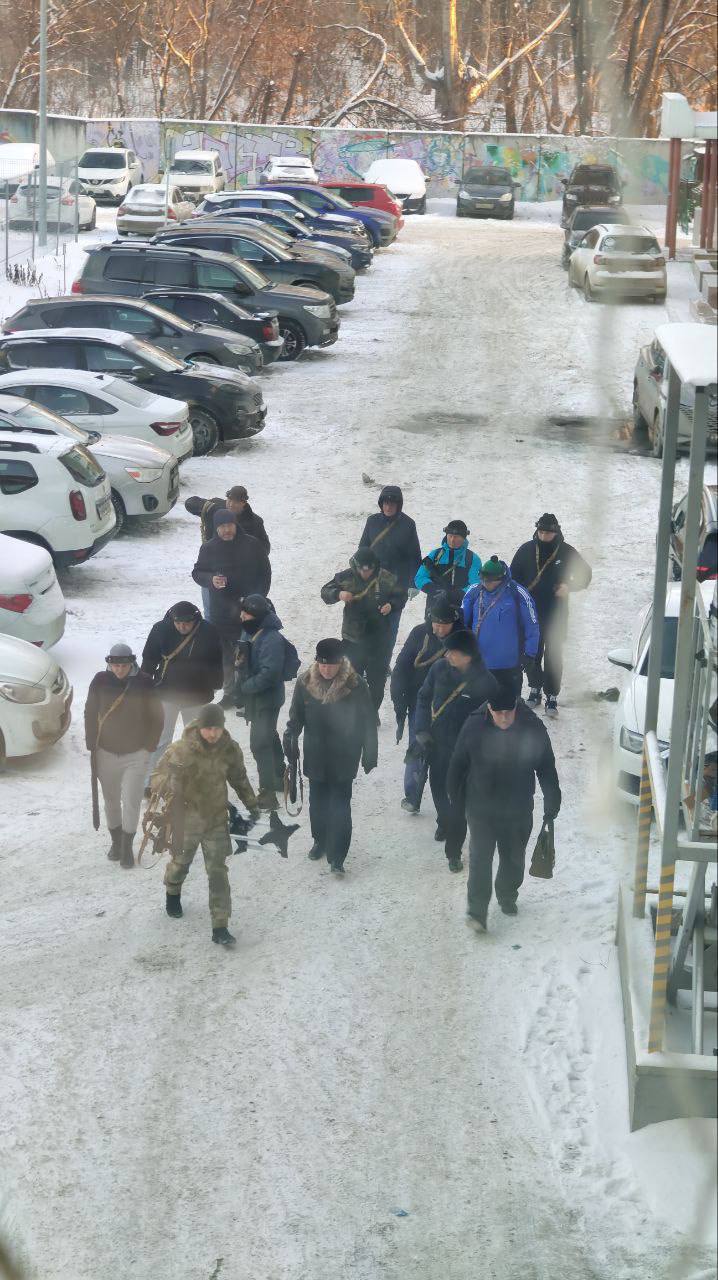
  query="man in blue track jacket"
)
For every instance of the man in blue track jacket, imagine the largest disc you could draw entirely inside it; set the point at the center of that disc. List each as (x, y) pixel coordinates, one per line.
(502, 616)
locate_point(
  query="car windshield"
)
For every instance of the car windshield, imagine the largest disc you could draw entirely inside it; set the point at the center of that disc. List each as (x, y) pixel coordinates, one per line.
(630, 244)
(594, 174)
(584, 219)
(164, 317)
(83, 468)
(191, 166)
(254, 277)
(146, 195)
(488, 177)
(668, 654)
(129, 392)
(343, 204)
(33, 415)
(103, 160)
(158, 359)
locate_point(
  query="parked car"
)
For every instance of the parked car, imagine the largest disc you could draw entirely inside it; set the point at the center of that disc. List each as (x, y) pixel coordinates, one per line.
(487, 190)
(35, 699)
(597, 184)
(307, 317)
(63, 194)
(282, 202)
(304, 249)
(108, 404)
(144, 319)
(380, 226)
(32, 606)
(17, 161)
(196, 173)
(144, 479)
(55, 494)
(368, 195)
(405, 180)
(296, 167)
(707, 566)
(614, 261)
(582, 220)
(302, 267)
(228, 207)
(630, 714)
(650, 394)
(108, 173)
(224, 404)
(148, 207)
(205, 309)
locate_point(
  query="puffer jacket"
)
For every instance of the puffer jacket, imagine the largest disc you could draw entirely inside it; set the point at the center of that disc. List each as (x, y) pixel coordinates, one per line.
(441, 710)
(204, 773)
(504, 621)
(338, 721)
(261, 682)
(195, 674)
(451, 572)
(361, 621)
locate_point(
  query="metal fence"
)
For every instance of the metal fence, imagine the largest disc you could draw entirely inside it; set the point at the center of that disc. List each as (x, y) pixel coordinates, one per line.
(31, 227)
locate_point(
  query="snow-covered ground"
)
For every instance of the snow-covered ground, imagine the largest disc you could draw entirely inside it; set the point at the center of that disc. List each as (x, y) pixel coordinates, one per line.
(363, 1090)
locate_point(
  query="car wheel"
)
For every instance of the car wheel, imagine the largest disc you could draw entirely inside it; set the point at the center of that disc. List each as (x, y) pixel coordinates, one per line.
(294, 340)
(422, 206)
(205, 431)
(587, 290)
(639, 422)
(203, 357)
(120, 513)
(656, 437)
(459, 212)
(511, 212)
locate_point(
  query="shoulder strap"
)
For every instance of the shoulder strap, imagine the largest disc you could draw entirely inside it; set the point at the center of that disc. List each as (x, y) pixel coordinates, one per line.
(387, 529)
(454, 694)
(167, 657)
(544, 566)
(102, 718)
(257, 634)
(372, 585)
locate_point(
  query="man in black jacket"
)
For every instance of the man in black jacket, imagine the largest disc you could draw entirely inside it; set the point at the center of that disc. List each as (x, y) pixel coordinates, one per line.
(183, 658)
(260, 691)
(236, 500)
(123, 723)
(550, 569)
(424, 645)
(392, 535)
(332, 707)
(231, 565)
(455, 686)
(500, 752)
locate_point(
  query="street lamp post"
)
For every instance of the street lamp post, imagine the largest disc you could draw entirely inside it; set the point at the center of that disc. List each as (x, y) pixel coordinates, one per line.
(42, 130)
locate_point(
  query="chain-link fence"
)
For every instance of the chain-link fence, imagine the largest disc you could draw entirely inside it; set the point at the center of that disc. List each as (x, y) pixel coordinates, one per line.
(32, 222)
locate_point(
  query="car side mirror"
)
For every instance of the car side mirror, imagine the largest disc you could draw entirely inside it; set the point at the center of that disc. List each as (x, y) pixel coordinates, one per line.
(621, 658)
(517, 185)
(242, 289)
(564, 182)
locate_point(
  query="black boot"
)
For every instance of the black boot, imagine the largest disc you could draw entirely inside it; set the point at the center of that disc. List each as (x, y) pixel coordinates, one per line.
(476, 917)
(173, 906)
(455, 863)
(224, 937)
(115, 851)
(315, 853)
(509, 908)
(127, 859)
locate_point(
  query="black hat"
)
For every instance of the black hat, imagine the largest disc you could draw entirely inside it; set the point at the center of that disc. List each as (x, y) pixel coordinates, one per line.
(458, 527)
(462, 642)
(494, 567)
(503, 700)
(442, 610)
(365, 557)
(329, 650)
(257, 605)
(185, 611)
(211, 716)
(224, 516)
(548, 523)
(237, 493)
(391, 493)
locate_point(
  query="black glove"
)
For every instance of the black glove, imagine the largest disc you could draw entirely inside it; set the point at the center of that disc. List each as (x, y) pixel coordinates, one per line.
(290, 745)
(533, 671)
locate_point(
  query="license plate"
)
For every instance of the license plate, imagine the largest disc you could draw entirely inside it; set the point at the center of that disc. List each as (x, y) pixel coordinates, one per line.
(483, 204)
(102, 507)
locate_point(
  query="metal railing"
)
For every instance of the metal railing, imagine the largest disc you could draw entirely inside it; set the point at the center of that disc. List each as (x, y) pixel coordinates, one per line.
(24, 219)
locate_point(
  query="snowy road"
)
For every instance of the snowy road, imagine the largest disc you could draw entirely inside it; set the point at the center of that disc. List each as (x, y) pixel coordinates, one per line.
(179, 1114)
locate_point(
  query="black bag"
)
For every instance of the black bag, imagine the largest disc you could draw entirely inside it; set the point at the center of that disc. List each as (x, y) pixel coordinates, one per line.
(544, 855)
(292, 661)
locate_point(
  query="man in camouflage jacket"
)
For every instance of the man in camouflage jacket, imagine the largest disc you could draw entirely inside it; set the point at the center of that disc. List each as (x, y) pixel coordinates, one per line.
(371, 596)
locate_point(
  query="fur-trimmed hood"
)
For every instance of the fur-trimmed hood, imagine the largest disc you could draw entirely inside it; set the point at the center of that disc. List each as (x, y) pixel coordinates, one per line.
(330, 691)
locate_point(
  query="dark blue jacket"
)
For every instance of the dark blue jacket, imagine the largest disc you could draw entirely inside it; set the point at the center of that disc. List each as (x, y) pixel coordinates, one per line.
(505, 622)
(440, 684)
(263, 685)
(421, 651)
(398, 550)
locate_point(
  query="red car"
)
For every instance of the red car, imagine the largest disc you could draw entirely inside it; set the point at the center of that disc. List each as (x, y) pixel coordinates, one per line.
(374, 195)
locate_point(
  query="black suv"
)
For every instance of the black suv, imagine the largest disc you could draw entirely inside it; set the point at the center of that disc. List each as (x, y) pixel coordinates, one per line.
(307, 317)
(591, 184)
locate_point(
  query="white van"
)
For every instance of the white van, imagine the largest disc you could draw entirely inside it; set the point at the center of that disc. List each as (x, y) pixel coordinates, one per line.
(32, 606)
(403, 178)
(55, 494)
(17, 160)
(196, 173)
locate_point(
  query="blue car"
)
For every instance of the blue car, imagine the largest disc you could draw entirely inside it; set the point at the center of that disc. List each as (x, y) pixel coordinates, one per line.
(381, 226)
(235, 206)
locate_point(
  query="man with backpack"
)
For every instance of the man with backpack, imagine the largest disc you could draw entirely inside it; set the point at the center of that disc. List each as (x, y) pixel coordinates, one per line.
(503, 618)
(391, 535)
(449, 569)
(265, 659)
(372, 598)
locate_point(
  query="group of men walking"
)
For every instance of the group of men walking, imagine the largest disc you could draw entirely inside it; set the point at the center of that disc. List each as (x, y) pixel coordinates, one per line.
(455, 688)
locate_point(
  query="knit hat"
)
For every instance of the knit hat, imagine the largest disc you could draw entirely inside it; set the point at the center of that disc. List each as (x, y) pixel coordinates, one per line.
(120, 653)
(458, 527)
(494, 567)
(211, 716)
(462, 642)
(237, 493)
(366, 558)
(185, 611)
(392, 493)
(548, 523)
(330, 650)
(257, 605)
(442, 610)
(503, 700)
(224, 516)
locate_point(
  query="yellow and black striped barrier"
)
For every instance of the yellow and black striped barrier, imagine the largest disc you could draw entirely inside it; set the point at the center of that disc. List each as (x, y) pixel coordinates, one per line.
(662, 961)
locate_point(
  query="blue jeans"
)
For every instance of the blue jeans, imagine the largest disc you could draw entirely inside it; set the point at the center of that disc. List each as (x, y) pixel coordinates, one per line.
(394, 622)
(414, 769)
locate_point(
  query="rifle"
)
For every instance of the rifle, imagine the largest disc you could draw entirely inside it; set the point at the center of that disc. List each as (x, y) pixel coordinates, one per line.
(293, 783)
(163, 821)
(93, 787)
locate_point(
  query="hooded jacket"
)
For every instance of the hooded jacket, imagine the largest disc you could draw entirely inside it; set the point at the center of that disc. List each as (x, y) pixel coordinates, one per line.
(244, 563)
(361, 621)
(204, 772)
(421, 650)
(452, 572)
(248, 521)
(441, 710)
(493, 771)
(394, 539)
(536, 568)
(505, 622)
(136, 723)
(193, 676)
(339, 724)
(261, 679)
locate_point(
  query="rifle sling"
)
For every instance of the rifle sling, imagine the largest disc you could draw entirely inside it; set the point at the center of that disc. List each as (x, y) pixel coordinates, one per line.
(101, 719)
(454, 694)
(387, 529)
(544, 566)
(168, 657)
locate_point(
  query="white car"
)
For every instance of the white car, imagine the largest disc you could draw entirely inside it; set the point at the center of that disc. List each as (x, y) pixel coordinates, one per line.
(615, 261)
(32, 606)
(298, 168)
(403, 178)
(650, 389)
(55, 494)
(17, 161)
(144, 480)
(104, 403)
(35, 699)
(153, 205)
(630, 715)
(63, 194)
(108, 173)
(196, 173)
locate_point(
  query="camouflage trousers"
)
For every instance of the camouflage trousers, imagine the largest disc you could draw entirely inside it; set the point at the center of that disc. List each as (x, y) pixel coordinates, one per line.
(216, 847)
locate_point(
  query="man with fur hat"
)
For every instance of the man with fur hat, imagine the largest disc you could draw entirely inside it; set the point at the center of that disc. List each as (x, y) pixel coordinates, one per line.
(456, 685)
(231, 565)
(123, 723)
(449, 569)
(372, 598)
(391, 533)
(550, 569)
(201, 766)
(332, 707)
(260, 690)
(503, 618)
(501, 751)
(423, 647)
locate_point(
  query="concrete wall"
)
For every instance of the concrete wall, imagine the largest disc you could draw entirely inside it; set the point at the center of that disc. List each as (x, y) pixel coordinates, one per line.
(65, 134)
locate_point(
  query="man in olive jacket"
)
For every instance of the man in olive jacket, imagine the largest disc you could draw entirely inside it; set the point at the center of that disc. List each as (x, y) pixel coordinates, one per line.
(332, 707)
(201, 765)
(371, 597)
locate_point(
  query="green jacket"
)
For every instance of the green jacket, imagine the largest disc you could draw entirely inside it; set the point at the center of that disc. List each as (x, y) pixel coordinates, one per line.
(204, 773)
(362, 620)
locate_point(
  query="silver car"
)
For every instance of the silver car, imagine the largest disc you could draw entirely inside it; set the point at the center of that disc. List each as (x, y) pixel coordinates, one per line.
(650, 393)
(148, 207)
(614, 261)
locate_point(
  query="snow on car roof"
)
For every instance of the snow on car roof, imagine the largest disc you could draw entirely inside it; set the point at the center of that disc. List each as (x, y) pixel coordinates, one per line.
(115, 336)
(691, 349)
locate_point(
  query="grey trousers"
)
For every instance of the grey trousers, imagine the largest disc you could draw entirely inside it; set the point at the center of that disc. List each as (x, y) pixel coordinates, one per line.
(172, 712)
(122, 779)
